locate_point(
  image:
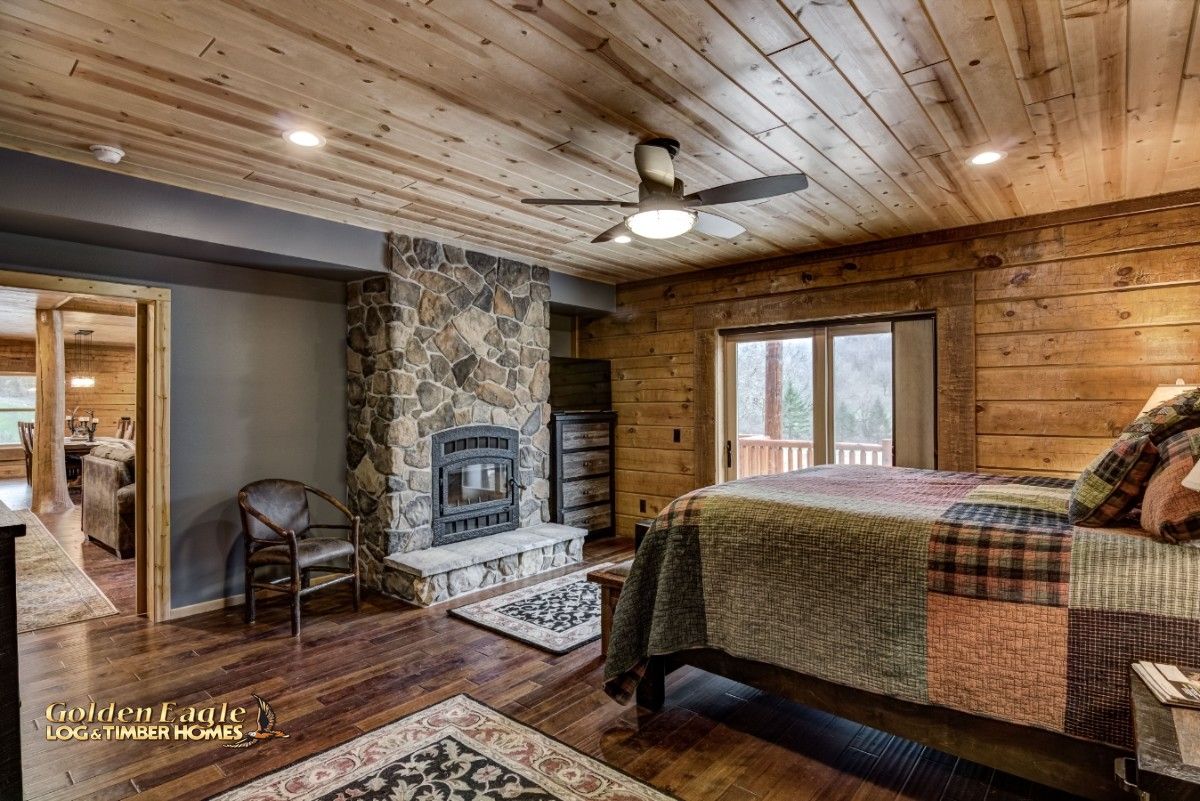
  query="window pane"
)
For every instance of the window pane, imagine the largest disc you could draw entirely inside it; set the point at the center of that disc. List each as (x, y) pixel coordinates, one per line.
(775, 406)
(862, 398)
(477, 482)
(17, 393)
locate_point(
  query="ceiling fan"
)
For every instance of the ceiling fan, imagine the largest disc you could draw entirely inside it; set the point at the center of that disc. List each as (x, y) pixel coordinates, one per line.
(663, 211)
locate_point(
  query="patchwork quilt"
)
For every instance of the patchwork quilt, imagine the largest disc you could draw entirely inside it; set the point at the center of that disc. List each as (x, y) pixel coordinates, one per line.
(961, 590)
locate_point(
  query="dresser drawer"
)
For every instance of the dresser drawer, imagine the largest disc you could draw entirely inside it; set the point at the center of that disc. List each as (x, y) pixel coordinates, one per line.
(585, 463)
(591, 517)
(584, 490)
(584, 435)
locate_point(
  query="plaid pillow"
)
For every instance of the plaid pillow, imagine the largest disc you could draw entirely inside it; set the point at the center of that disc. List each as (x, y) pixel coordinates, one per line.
(1110, 487)
(1171, 511)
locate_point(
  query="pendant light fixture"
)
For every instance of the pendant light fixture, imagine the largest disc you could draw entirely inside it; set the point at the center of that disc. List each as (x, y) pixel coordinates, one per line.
(84, 376)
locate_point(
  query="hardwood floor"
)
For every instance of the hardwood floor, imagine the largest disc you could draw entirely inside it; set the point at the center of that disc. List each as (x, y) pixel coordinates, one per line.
(115, 577)
(351, 673)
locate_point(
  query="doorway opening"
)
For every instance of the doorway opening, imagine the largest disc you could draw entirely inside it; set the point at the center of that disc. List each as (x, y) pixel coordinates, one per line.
(83, 445)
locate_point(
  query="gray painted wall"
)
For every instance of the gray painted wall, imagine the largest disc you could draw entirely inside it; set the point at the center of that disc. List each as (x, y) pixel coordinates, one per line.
(258, 372)
(49, 198)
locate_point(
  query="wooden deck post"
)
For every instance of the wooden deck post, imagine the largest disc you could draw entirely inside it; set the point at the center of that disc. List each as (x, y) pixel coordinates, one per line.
(50, 494)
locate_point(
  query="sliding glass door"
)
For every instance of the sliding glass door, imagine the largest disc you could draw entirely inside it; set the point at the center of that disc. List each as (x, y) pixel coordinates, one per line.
(801, 397)
(774, 395)
(860, 367)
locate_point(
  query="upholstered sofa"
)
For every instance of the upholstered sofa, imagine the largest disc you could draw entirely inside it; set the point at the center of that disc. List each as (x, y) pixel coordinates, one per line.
(109, 503)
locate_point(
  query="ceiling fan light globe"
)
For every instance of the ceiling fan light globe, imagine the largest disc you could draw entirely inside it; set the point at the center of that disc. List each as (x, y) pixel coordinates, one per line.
(622, 239)
(661, 223)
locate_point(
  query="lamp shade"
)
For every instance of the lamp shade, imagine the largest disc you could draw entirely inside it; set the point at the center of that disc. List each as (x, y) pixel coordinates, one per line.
(1164, 392)
(1192, 481)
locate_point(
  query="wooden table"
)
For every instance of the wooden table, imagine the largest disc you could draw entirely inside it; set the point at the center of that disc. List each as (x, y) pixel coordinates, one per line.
(611, 579)
(1167, 741)
(83, 446)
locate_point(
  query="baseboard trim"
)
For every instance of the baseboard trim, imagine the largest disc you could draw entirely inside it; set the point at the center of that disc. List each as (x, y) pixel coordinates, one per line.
(178, 612)
(215, 604)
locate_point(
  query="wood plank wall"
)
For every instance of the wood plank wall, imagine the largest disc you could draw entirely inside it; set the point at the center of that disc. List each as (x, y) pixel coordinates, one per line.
(1078, 316)
(115, 393)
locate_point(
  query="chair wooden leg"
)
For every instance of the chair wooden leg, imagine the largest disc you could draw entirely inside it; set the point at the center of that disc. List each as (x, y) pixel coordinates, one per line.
(297, 583)
(357, 584)
(250, 611)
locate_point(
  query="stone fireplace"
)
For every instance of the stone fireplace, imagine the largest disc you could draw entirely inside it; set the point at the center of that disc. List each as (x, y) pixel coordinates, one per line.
(449, 338)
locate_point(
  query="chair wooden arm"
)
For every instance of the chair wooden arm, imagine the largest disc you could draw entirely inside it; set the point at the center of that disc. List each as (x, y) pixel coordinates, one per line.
(332, 501)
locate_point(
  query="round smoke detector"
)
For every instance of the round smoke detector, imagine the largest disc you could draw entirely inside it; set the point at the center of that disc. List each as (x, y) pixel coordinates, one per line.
(107, 154)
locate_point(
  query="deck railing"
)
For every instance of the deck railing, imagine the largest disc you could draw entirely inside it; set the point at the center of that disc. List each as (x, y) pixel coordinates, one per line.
(760, 456)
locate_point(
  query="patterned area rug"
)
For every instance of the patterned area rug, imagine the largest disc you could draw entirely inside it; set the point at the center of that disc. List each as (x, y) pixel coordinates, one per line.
(51, 589)
(458, 750)
(558, 615)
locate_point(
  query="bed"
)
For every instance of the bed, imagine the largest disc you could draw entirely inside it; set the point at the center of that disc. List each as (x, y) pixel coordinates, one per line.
(958, 609)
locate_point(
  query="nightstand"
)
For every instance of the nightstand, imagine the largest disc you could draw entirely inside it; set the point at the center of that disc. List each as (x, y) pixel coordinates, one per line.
(1167, 741)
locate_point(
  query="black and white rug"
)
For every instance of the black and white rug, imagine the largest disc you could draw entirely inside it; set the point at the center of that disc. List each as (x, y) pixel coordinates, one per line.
(558, 615)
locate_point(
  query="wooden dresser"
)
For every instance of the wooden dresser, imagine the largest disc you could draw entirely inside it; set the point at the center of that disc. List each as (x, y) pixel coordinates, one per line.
(581, 482)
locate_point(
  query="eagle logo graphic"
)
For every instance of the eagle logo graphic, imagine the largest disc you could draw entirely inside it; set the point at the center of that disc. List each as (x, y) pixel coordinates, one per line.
(266, 726)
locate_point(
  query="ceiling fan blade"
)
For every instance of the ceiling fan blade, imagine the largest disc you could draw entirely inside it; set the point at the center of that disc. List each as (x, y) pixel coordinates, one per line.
(713, 225)
(754, 189)
(612, 233)
(654, 165)
(572, 201)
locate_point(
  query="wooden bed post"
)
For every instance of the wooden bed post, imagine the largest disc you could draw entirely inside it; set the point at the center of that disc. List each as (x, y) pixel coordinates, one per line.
(652, 690)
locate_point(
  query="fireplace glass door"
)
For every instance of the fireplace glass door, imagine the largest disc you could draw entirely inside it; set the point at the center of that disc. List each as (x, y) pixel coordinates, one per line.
(483, 481)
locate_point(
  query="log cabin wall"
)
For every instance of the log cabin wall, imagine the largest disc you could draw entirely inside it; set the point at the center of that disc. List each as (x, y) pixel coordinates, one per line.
(115, 393)
(115, 367)
(1078, 316)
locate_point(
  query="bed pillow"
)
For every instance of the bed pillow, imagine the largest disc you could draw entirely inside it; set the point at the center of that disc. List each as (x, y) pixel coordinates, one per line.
(1111, 487)
(1171, 511)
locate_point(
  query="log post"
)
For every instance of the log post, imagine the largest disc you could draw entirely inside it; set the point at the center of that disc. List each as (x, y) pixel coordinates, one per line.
(50, 494)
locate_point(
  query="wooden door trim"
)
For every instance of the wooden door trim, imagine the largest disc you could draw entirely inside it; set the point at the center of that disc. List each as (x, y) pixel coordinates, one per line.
(152, 440)
(950, 298)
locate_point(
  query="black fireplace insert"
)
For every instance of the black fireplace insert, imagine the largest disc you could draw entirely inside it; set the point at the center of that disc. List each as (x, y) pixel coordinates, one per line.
(475, 489)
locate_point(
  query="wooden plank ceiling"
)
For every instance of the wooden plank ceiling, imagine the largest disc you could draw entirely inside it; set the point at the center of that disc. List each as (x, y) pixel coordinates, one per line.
(111, 321)
(441, 115)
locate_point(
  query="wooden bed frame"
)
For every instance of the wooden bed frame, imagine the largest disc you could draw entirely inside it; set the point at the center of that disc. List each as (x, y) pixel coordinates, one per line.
(1057, 760)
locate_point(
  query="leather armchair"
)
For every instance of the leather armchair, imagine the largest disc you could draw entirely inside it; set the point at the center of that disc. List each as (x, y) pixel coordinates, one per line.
(278, 532)
(109, 499)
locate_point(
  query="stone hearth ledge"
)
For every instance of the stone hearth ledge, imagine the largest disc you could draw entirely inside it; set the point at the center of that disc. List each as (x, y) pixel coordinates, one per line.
(433, 575)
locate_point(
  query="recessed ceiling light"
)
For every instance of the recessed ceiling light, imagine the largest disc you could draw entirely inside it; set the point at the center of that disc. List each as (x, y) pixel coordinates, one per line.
(986, 157)
(622, 239)
(304, 138)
